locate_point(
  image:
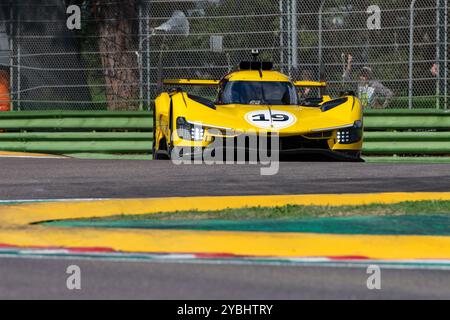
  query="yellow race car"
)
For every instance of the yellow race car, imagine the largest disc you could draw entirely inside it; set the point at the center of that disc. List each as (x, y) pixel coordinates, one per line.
(259, 100)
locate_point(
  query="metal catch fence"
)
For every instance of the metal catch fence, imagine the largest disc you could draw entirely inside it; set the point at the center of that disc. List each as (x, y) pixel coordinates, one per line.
(392, 53)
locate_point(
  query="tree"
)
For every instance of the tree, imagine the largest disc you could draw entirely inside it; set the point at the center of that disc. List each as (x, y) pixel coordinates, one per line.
(116, 25)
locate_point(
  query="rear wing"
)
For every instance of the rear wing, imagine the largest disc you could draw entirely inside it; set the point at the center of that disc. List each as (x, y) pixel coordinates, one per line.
(192, 82)
(214, 83)
(310, 84)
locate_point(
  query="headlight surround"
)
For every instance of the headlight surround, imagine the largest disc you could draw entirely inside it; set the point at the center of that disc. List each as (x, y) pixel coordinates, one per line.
(188, 131)
(351, 135)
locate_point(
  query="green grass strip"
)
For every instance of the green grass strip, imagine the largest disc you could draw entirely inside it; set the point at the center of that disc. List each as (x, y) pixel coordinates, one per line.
(408, 218)
(420, 159)
(105, 156)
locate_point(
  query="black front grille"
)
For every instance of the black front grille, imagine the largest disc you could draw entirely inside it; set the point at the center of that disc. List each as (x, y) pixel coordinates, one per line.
(285, 143)
(320, 135)
(251, 142)
(294, 143)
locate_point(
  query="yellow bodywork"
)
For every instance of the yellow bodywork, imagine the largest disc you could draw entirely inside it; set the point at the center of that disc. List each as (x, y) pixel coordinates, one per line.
(308, 122)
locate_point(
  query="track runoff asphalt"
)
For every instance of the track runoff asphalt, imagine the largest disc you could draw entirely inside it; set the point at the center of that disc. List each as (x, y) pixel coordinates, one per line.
(27, 179)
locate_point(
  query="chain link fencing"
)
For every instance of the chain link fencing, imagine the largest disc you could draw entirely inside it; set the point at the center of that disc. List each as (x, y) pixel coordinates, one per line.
(393, 53)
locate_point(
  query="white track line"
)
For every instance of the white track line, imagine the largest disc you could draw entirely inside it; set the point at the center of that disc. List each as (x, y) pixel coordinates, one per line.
(343, 265)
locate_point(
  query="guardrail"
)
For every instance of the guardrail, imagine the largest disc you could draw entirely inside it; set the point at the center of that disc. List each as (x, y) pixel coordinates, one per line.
(388, 132)
(77, 132)
(385, 120)
(403, 132)
(80, 121)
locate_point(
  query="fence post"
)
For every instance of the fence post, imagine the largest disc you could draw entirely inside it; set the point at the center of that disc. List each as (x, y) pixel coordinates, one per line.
(294, 36)
(438, 52)
(411, 55)
(11, 55)
(289, 36)
(281, 36)
(442, 54)
(19, 61)
(147, 7)
(140, 60)
(149, 95)
(446, 84)
(322, 5)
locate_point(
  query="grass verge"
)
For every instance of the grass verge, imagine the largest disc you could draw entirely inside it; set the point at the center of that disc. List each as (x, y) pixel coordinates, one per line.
(295, 212)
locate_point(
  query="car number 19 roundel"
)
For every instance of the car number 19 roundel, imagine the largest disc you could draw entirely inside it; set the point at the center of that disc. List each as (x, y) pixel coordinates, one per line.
(266, 119)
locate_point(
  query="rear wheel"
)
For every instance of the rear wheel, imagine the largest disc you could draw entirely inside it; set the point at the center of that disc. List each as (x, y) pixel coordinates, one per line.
(155, 153)
(161, 153)
(159, 148)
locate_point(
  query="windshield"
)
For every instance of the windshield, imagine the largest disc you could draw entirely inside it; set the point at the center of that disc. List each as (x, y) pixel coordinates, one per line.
(258, 93)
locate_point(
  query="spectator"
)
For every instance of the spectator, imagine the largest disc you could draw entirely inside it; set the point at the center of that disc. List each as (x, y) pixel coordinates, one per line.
(435, 70)
(372, 93)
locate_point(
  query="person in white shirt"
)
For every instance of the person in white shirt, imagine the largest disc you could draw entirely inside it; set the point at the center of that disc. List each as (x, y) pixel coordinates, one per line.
(372, 93)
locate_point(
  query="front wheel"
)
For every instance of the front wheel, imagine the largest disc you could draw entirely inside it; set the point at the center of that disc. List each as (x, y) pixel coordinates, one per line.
(353, 155)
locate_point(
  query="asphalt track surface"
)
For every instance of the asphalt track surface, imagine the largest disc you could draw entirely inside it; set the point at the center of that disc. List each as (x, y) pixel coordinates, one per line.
(46, 279)
(26, 179)
(22, 179)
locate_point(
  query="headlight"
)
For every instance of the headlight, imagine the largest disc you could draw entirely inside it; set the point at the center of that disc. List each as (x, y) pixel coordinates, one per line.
(188, 131)
(351, 135)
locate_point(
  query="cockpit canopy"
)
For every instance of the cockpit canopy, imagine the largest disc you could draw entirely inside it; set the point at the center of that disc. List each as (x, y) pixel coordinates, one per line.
(257, 93)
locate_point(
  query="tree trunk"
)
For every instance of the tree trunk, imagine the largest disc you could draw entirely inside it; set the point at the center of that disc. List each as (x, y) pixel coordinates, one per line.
(117, 47)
